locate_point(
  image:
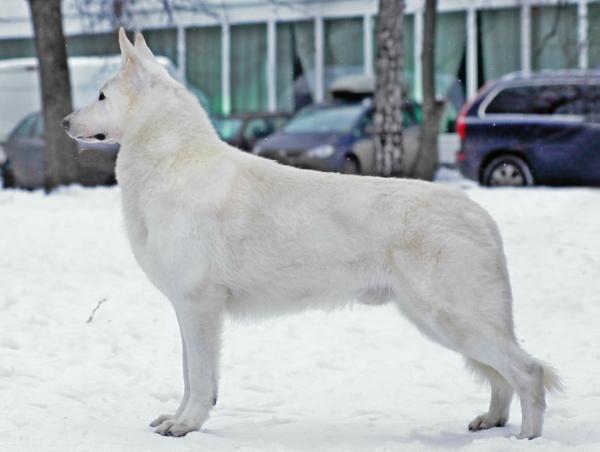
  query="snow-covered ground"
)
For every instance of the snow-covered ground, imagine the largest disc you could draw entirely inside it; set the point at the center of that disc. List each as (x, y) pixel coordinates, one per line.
(358, 379)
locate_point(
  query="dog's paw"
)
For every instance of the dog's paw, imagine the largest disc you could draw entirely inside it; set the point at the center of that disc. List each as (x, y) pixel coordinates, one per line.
(160, 419)
(171, 427)
(485, 421)
(528, 435)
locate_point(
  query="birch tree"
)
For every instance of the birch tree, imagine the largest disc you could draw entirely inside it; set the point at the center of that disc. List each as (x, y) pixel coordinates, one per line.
(387, 120)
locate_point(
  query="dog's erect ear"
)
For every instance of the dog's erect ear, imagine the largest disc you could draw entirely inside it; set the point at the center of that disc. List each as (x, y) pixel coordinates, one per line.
(127, 49)
(142, 48)
(132, 61)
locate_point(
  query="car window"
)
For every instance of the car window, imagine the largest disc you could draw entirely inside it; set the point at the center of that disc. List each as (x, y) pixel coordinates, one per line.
(26, 127)
(278, 122)
(556, 99)
(409, 117)
(257, 128)
(336, 118)
(227, 128)
(592, 97)
(38, 129)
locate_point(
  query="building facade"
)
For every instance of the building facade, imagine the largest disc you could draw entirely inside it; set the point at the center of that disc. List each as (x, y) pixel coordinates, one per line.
(252, 55)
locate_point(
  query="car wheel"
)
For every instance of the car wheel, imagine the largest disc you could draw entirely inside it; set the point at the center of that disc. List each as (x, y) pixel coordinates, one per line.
(351, 165)
(507, 171)
(8, 179)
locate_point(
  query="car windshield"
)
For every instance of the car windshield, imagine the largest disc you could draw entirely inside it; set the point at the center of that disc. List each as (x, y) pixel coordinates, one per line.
(227, 128)
(338, 118)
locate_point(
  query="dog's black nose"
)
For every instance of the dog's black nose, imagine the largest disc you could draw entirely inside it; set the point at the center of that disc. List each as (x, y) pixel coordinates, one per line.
(66, 123)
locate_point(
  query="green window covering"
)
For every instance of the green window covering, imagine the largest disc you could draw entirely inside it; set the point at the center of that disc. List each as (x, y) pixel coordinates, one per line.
(554, 37)
(343, 48)
(97, 44)
(17, 48)
(450, 40)
(594, 35)
(295, 63)
(408, 39)
(163, 41)
(500, 31)
(248, 68)
(203, 66)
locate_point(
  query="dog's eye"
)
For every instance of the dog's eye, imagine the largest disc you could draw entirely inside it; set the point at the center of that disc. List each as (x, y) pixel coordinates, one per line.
(101, 96)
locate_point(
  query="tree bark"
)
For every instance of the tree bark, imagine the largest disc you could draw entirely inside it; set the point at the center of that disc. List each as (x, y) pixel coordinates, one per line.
(60, 153)
(427, 160)
(388, 93)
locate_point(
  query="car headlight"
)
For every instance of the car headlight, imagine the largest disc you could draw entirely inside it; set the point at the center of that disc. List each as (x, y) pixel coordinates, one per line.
(322, 152)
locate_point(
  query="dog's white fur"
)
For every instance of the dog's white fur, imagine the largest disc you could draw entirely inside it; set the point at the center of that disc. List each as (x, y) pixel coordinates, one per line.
(218, 230)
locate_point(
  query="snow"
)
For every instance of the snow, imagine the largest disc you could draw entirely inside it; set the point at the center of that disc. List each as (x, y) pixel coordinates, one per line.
(356, 379)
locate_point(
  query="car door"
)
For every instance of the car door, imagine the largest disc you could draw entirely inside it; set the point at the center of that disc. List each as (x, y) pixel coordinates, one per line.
(590, 143)
(562, 133)
(25, 152)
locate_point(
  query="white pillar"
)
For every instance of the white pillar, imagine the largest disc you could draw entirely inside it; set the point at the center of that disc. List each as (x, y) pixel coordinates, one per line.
(368, 44)
(319, 60)
(418, 49)
(471, 52)
(582, 34)
(271, 62)
(225, 68)
(181, 51)
(525, 36)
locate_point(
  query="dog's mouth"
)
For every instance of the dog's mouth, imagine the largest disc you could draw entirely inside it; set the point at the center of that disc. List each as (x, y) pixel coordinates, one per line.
(98, 138)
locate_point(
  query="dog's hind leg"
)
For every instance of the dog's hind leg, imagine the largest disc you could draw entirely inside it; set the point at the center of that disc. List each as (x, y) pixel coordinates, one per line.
(502, 394)
(524, 374)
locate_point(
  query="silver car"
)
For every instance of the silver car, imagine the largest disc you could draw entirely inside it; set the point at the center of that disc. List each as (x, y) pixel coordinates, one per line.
(24, 157)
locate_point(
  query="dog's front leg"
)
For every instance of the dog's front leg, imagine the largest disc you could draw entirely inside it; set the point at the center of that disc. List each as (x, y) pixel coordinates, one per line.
(186, 383)
(201, 323)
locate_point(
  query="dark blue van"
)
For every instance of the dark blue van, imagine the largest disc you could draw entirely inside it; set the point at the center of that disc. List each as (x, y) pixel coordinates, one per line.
(539, 128)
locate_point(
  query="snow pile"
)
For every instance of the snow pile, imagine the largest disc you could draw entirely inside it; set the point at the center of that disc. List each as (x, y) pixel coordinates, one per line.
(358, 379)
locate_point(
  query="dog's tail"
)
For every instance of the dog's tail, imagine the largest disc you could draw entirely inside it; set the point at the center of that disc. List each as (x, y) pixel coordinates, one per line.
(552, 381)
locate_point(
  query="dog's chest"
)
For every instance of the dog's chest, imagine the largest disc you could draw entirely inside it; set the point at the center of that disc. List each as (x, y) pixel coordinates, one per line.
(167, 244)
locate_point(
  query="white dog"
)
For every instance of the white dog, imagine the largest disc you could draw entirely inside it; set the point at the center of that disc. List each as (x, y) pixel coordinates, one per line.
(218, 230)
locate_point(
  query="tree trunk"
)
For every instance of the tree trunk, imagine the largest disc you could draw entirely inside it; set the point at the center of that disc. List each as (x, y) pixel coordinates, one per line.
(388, 93)
(60, 153)
(427, 160)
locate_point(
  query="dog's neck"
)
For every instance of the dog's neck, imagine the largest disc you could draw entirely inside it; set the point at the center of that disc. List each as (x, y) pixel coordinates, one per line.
(161, 135)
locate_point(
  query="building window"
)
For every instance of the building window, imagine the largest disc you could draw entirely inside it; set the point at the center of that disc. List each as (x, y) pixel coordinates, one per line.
(594, 35)
(249, 68)
(203, 66)
(500, 34)
(343, 48)
(163, 42)
(295, 65)
(554, 37)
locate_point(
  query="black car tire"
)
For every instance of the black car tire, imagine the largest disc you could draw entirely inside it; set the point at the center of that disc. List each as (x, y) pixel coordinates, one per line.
(8, 179)
(507, 171)
(351, 165)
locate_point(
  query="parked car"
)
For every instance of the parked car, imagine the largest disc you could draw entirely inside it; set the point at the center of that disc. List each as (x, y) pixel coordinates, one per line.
(244, 131)
(24, 149)
(324, 137)
(538, 128)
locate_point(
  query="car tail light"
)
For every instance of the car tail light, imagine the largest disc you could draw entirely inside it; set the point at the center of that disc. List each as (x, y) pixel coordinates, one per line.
(461, 121)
